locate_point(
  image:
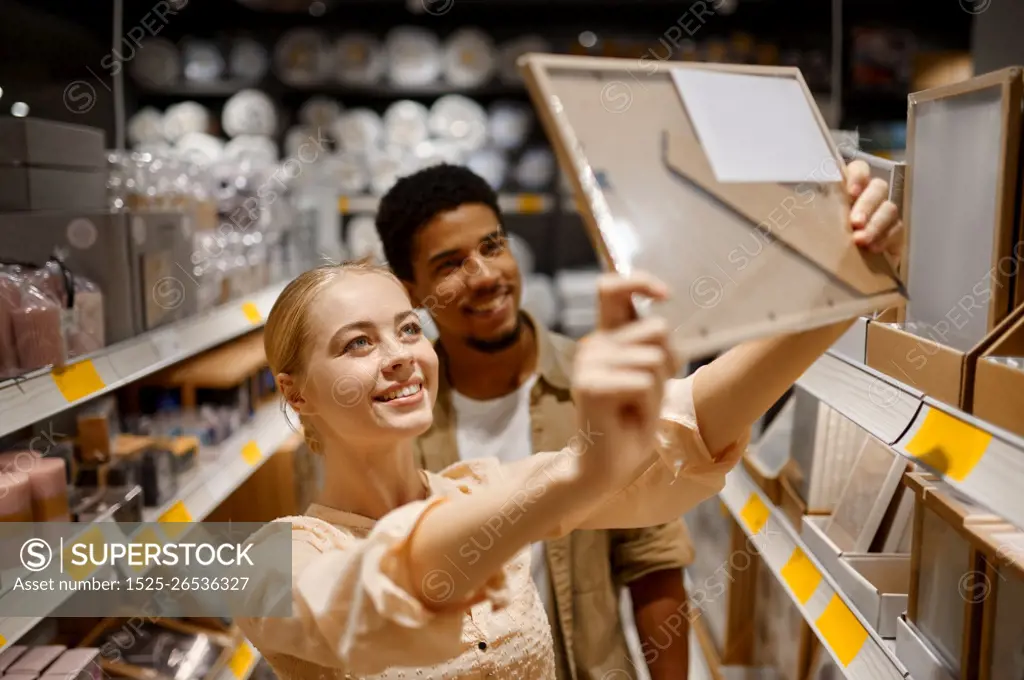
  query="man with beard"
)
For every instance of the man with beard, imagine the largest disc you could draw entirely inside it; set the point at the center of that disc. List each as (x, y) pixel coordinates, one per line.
(504, 392)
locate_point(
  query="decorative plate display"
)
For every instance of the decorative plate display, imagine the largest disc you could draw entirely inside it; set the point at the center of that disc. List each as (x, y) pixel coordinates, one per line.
(157, 63)
(358, 130)
(184, 117)
(249, 112)
(248, 60)
(489, 164)
(199, 147)
(319, 112)
(302, 57)
(359, 59)
(509, 124)
(258, 150)
(406, 124)
(414, 56)
(146, 126)
(470, 58)
(535, 170)
(459, 119)
(202, 61)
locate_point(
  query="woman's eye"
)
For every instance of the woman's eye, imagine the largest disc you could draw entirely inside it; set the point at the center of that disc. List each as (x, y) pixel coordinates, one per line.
(412, 329)
(358, 343)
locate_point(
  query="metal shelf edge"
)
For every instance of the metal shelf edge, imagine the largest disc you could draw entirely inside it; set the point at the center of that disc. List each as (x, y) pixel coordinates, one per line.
(855, 647)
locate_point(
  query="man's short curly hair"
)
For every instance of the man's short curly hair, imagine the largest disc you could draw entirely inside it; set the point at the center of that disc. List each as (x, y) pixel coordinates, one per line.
(416, 199)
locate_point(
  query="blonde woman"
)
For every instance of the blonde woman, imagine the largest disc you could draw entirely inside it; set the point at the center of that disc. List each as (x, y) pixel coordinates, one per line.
(398, 573)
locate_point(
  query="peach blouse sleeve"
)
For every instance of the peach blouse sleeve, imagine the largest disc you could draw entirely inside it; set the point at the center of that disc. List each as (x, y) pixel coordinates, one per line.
(351, 605)
(684, 474)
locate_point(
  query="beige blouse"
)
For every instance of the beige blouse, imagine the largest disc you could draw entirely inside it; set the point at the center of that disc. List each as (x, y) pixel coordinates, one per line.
(352, 618)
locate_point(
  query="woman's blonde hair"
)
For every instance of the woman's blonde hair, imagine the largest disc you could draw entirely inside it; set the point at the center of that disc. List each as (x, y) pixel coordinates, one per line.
(286, 334)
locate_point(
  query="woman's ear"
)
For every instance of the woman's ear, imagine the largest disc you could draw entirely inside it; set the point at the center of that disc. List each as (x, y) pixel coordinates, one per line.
(290, 391)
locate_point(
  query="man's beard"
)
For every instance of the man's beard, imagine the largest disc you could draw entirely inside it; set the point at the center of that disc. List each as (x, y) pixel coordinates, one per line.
(495, 345)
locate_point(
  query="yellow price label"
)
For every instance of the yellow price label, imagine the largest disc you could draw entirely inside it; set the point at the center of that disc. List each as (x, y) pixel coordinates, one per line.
(252, 313)
(241, 661)
(801, 576)
(755, 513)
(251, 453)
(948, 445)
(842, 631)
(176, 514)
(530, 204)
(77, 381)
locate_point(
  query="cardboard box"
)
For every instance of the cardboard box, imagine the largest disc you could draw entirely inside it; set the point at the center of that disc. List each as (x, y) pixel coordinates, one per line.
(33, 188)
(998, 395)
(37, 142)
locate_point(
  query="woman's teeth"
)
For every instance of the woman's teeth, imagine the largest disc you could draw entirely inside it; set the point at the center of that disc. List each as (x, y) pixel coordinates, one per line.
(404, 392)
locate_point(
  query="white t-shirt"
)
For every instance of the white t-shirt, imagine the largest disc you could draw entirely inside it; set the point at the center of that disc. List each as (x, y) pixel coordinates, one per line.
(500, 428)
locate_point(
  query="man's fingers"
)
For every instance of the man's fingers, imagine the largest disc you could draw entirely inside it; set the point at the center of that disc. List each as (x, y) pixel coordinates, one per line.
(858, 175)
(615, 293)
(873, 196)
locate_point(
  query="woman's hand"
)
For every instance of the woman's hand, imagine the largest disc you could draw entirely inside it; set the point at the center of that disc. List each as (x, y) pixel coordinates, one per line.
(875, 219)
(619, 380)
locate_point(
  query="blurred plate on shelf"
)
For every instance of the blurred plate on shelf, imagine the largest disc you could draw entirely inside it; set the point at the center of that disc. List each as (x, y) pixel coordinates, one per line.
(295, 138)
(414, 56)
(249, 112)
(539, 299)
(248, 60)
(459, 119)
(302, 57)
(406, 124)
(385, 169)
(522, 252)
(349, 172)
(489, 164)
(319, 112)
(359, 59)
(437, 151)
(184, 117)
(258, 150)
(510, 51)
(509, 124)
(201, 61)
(470, 58)
(362, 239)
(358, 130)
(199, 147)
(157, 63)
(146, 126)
(535, 170)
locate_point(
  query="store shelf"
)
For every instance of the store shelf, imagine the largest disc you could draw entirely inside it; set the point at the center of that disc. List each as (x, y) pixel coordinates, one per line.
(983, 462)
(855, 647)
(220, 471)
(510, 203)
(43, 394)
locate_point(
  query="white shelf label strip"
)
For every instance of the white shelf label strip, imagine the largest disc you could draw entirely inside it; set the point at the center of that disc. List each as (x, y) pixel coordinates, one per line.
(859, 653)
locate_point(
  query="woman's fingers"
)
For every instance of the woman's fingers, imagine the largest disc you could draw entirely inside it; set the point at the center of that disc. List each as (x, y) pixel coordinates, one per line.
(867, 203)
(615, 297)
(858, 176)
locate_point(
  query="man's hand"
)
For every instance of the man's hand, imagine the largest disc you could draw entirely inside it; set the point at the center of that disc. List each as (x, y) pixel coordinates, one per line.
(875, 219)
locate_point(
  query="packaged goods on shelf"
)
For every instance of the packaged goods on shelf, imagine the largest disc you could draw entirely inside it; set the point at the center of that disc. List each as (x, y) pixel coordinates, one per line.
(963, 253)
(45, 165)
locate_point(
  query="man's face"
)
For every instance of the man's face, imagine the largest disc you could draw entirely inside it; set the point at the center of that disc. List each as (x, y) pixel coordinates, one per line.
(465, 276)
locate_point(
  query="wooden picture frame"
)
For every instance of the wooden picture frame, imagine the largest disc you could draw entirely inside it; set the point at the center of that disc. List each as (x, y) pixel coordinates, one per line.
(743, 259)
(932, 251)
(869, 490)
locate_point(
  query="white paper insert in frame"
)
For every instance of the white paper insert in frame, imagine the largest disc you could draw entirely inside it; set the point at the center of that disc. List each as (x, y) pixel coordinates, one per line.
(756, 128)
